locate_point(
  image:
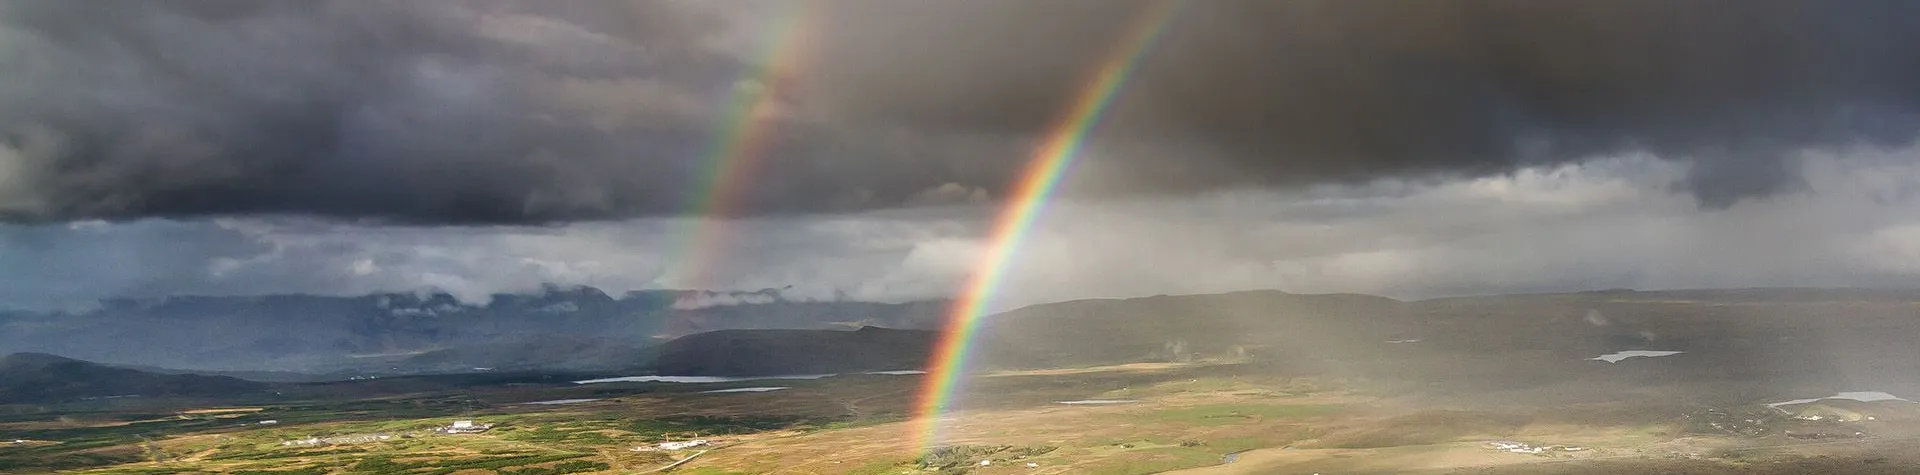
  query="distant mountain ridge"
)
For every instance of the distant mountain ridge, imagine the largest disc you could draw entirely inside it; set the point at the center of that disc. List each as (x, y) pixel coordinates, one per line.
(324, 334)
(582, 329)
(39, 378)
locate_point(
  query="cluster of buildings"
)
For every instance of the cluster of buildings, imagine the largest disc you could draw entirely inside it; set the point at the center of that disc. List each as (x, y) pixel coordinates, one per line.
(683, 445)
(311, 441)
(674, 445)
(1821, 412)
(463, 427)
(1530, 449)
(350, 439)
(457, 427)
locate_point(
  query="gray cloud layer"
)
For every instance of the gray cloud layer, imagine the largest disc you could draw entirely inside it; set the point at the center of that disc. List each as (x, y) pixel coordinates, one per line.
(1610, 223)
(520, 112)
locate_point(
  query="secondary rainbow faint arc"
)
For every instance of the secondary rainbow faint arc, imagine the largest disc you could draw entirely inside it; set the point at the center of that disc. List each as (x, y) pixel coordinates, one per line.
(1043, 171)
(734, 155)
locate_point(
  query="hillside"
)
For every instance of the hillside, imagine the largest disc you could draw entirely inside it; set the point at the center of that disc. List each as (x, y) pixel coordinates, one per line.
(39, 378)
(772, 352)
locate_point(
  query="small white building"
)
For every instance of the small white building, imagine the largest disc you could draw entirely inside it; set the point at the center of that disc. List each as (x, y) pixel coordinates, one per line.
(465, 427)
(269, 422)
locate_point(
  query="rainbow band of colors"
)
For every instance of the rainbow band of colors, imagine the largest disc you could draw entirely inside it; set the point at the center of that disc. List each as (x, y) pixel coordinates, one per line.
(1063, 141)
(737, 147)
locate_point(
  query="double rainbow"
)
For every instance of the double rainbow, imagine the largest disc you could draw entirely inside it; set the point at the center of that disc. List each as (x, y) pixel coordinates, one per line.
(737, 149)
(1056, 152)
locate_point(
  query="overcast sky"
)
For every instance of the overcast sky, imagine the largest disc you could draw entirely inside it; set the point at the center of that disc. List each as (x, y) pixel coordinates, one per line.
(1406, 149)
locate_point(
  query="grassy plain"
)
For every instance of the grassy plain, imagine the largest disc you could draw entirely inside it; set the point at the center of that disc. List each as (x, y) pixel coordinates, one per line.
(1195, 418)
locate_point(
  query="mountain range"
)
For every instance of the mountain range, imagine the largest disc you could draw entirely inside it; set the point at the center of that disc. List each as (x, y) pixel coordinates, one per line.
(428, 331)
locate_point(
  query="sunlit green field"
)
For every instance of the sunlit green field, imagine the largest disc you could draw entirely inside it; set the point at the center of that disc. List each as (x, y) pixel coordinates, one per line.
(395, 434)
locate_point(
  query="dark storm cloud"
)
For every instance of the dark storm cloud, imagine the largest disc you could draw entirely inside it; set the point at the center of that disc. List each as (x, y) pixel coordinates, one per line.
(1298, 91)
(419, 111)
(523, 111)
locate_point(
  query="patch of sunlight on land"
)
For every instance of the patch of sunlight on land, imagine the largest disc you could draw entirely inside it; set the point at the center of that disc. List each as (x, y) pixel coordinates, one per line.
(1387, 459)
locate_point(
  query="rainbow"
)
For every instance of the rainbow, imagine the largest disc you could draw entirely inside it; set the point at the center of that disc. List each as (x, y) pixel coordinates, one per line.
(1056, 151)
(737, 147)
